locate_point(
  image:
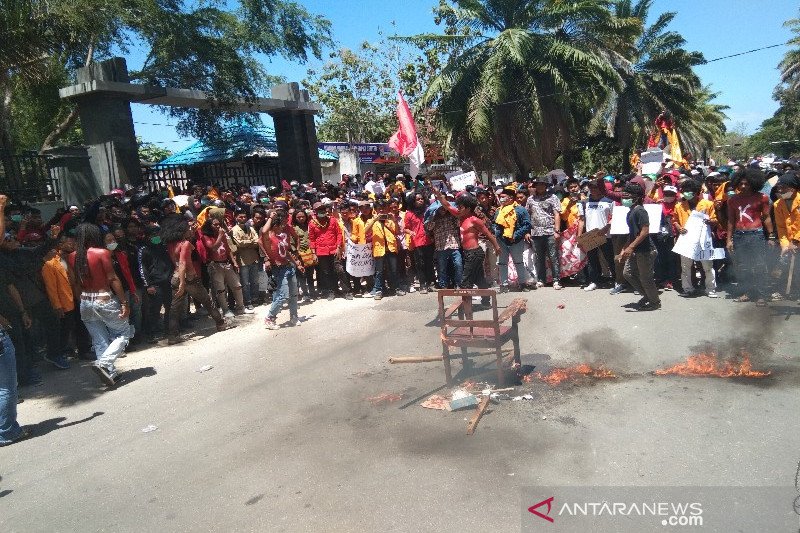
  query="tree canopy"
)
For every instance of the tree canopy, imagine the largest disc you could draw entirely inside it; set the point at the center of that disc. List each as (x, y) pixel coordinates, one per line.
(213, 46)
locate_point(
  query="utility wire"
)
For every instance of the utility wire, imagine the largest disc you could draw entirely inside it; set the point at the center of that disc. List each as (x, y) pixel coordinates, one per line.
(745, 53)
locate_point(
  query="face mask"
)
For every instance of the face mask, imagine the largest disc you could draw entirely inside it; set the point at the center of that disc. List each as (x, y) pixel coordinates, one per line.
(669, 199)
(787, 195)
(322, 215)
(155, 240)
(112, 246)
(16, 218)
(575, 195)
(627, 202)
(731, 193)
(688, 196)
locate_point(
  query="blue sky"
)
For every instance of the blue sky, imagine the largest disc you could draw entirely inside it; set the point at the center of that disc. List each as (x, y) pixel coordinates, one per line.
(714, 27)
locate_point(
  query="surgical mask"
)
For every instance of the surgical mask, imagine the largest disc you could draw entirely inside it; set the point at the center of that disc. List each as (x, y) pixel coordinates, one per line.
(16, 218)
(322, 215)
(155, 239)
(669, 199)
(111, 246)
(731, 193)
(627, 202)
(688, 195)
(787, 195)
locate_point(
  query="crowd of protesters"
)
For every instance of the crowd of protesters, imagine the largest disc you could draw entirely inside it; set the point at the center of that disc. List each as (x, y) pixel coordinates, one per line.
(129, 267)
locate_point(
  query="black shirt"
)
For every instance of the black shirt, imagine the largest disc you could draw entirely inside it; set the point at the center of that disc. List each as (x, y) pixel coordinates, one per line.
(637, 219)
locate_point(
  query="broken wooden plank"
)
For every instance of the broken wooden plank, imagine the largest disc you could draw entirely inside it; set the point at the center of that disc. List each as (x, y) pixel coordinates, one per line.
(473, 423)
(415, 359)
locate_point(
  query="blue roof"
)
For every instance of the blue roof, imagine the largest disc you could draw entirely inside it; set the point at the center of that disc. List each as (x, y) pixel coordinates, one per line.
(239, 142)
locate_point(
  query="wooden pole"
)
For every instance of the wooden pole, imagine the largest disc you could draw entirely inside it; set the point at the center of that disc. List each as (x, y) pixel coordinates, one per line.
(473, 423)
(420, 359)
(791, 275)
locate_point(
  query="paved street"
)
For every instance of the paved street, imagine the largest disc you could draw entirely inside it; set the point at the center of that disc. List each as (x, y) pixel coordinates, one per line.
(279, 435)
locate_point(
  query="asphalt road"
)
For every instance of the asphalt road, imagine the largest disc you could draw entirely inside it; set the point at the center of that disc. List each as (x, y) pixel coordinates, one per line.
(280, 435)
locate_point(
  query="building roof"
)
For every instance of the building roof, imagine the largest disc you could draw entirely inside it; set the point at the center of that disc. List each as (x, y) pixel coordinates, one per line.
(239, 142)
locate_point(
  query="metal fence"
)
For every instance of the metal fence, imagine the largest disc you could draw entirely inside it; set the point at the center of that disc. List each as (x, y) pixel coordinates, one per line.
(27, 177)
(218, 174)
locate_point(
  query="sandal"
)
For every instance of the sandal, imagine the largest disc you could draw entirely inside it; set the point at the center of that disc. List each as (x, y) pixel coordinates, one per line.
(761, 303)
(776, 297)
(742, 298)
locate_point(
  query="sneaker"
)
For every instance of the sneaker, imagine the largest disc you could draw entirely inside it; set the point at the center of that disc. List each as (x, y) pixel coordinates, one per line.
(331, 297)
(539, 284)
(270, 323)
(229, 314)
(642, 302)
(557, 286)
(686, 294)
(503, 289)
(226, 325)
(651, 307)
(400, 292)
(294, 321)
(25, 433)
(590, 287)
(176, 340)
(618, 288)
(348, 296)
(668, 286)
(249, 310)
(412, 289)
(59, 362)
(378, 296)
(712, 294)
(104, 375)
(423, 290)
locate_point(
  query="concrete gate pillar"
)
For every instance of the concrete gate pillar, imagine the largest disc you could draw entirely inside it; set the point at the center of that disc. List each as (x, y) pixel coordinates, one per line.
(107, 126)
(296, 135)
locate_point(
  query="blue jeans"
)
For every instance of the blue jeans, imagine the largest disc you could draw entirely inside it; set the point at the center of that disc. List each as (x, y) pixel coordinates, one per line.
(391, 260)
(248, 275)
(287, 288)
(514, 251)
(9, 427)
(109, 332)
(445, 259)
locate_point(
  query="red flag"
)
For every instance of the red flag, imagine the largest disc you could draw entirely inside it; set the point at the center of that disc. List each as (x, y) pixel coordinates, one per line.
(405, 140)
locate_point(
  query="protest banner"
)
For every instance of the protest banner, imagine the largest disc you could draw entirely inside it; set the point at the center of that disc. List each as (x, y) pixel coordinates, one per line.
(696, 243)
(460, 181)
(592, 239)
(255, 189)
(651, 161)
(619, 219)
(359, 260)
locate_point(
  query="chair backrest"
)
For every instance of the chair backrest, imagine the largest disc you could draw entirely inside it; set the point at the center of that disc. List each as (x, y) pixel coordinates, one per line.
(461, 301)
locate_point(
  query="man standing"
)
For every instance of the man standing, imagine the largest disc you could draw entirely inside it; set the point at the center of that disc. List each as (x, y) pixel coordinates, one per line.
(597, 216)
(692, 201)
(512, 227)
(277, 240)
(544, 210)
(326, 241)
(640, 253)
(245, 239)
(787, 215)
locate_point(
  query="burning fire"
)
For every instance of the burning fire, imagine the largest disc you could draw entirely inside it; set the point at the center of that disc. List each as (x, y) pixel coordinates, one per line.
(559, 375)
(708, 364)
(384, 397)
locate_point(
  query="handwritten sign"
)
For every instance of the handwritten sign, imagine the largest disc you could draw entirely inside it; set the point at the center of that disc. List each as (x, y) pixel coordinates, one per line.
(696, 243)
(651, 161)
(359, 260)
(460, 181)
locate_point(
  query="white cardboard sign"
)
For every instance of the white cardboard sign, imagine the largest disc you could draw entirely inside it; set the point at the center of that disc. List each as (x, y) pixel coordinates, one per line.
(359, 260)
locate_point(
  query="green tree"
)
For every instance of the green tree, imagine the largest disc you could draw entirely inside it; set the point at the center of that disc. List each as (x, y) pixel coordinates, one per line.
(357, 94)
(790, 66)
(522, 72)
(209, 46)
(151, 152)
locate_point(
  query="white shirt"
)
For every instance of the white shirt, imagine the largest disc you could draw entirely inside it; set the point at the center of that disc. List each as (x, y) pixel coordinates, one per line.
(374, 187)
(598, 213)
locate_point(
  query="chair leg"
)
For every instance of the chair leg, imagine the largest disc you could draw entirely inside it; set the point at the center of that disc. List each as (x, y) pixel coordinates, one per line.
(448, 374)
(464, 360)
(500, 374)
(515, 340)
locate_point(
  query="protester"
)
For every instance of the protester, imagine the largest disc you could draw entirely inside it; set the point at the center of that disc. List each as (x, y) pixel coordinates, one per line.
(544, 210)
(512, 228)
(597, 212)
(787, 216)
(245, 238)
(640, 253)
(692, 202)
(277, 239)
(155, 270)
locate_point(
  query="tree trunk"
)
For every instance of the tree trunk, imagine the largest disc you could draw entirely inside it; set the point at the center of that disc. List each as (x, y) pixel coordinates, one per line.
(626, 159)
(62, 128)
(6, 143)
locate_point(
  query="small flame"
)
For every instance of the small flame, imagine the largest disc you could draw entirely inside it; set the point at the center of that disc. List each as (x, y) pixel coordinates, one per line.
(708, 364)
(385, 397)
(559, 375)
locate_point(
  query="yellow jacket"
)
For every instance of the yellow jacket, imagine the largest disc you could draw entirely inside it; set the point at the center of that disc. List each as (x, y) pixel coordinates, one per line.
(683, 210)
(358, 236)
(787, 222)
(57, 285)
(570, 214)
(383, 237)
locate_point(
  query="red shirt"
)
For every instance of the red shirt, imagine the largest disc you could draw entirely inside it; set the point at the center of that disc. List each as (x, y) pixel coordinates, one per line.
(279, 245)
(324, 239)
(220, 254)
(181, 251)
(746, 212)
(413, 222)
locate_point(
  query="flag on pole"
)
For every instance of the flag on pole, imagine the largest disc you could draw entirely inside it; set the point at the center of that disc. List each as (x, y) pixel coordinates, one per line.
(405, 140)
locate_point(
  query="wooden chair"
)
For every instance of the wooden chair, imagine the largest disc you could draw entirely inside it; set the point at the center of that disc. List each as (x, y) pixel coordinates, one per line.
(466, 331)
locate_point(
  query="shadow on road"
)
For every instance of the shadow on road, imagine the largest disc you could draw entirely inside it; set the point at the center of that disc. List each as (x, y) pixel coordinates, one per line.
(44, 427)
(78, 384)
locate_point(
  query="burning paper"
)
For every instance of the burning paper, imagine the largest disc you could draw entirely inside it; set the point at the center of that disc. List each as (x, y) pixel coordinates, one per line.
(557, 376)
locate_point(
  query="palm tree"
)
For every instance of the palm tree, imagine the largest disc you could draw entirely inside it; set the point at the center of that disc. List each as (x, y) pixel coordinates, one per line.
(522, 70)
(790, 66)
(704, 126)
(657, 74)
